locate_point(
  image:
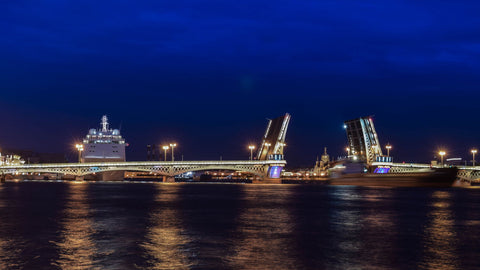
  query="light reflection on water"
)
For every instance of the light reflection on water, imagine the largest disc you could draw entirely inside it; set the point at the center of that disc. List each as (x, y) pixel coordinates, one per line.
(440, 237)
(345, 222)
(377, 235)
(165, 241)
(77, 247)
(218, 226)
(264, 230)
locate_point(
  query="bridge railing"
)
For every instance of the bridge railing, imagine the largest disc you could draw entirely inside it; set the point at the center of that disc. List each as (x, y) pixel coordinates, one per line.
(169, 168)
(148, 163)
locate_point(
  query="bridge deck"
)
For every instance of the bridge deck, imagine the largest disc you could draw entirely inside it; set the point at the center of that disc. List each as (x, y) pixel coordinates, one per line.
(148, 163)
(167, 168)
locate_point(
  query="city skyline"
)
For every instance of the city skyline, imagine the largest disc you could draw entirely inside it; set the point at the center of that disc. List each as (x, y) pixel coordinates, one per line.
(254, 134)
(207, 75)
(140, 153)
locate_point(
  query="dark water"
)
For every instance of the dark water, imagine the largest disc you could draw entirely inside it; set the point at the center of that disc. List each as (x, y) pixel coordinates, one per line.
(236, 226)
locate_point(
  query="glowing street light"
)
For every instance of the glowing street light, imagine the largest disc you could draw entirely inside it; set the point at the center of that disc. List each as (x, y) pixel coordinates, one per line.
(80, 149)
(442, 153)
(251, 147)
(388, 149)
(282, 145)
(268, 146)
(474, 151)
(173, 148)
(165, 148)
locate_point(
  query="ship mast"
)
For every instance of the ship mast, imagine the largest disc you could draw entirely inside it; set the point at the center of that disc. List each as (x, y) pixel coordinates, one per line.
(104, 123)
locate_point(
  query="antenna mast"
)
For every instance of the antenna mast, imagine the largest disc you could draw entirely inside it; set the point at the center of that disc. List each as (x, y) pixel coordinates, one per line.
(104, 123)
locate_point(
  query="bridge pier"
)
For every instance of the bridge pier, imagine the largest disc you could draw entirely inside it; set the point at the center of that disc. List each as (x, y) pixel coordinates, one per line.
(267, 180)
(79, 178)
(168, 179)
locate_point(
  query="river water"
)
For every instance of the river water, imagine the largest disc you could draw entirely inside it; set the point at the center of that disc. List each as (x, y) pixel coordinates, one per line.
(236, 226)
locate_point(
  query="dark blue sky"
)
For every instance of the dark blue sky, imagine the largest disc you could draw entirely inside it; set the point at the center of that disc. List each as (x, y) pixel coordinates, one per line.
(207, 73)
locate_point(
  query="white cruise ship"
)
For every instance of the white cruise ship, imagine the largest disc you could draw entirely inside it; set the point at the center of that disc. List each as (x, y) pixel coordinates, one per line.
(104, 144)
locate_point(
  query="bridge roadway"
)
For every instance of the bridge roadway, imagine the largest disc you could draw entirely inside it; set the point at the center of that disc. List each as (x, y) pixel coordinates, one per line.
(465, 173)
(166, 168)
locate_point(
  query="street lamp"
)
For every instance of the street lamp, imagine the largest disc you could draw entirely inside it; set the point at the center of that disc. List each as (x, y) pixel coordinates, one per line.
(282, 145)
(388, 149)
(268, 146)
(474, 151)
(173, 147)
(348, 151)
(165, 148)
(251, 147)
(442, 153)
(80, 149)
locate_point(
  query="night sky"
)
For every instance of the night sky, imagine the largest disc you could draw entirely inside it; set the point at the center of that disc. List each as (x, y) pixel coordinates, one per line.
(207, 74)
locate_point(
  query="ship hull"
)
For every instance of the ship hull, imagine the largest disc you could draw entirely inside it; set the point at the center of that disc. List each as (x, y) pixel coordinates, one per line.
(436, 178)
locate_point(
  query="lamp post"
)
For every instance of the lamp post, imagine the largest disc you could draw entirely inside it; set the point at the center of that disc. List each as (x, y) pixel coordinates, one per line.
(442, 153)
(173, 148)
(268, 146)
(388, 149)
(348, 151)
(282, 145)
(251, 147)
(474, 151)
(165, 148)
(80, 149)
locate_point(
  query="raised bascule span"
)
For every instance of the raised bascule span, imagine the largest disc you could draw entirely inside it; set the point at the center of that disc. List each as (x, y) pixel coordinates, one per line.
(274, 139)
(267, 168)
(363, 140)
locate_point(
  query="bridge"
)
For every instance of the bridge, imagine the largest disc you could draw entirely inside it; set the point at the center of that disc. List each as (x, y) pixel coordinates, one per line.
(265, 169)
(364, 145)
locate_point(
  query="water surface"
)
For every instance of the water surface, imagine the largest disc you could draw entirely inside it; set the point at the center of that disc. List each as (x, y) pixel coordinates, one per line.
(236, 226)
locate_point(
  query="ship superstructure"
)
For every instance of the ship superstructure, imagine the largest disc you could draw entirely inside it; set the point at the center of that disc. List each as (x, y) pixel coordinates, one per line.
(104, 144)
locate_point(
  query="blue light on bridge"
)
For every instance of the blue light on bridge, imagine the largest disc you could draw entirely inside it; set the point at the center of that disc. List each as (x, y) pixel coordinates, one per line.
(274, 171)
(381, 170)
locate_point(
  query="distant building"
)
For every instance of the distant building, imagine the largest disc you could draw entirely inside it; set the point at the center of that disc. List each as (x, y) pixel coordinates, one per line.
(325, 157)
(31, 157)
(322, 164)
(152, 153)
(363, 144)
(11, 160)
(104, 144)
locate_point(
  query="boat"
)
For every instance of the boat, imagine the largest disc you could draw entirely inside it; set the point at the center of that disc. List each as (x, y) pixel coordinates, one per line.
(434, 177)
(104, 145)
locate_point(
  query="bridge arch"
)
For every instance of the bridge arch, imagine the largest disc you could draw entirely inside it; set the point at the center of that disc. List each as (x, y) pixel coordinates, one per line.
(258, 171)
(258, 168)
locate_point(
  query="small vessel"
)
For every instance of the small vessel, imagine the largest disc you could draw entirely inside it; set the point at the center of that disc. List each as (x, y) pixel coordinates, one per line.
(434, 177)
